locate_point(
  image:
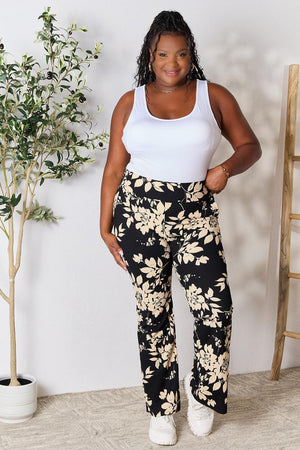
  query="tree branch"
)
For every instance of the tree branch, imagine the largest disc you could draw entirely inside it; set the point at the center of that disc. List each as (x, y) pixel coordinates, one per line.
(3, 228)
(22, 221)
(4, 296)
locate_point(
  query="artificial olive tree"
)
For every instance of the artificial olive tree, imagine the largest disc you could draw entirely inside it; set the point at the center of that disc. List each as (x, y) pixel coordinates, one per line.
(45, 133)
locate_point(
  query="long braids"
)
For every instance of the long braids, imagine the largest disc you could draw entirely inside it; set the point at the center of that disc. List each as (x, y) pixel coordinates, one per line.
(164, 23)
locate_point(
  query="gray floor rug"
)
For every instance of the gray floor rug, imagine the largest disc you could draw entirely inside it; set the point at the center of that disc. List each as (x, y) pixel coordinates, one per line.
(262, 414)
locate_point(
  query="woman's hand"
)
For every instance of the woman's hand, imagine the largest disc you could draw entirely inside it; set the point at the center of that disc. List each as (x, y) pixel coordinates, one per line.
(114, 248)
(216, 179)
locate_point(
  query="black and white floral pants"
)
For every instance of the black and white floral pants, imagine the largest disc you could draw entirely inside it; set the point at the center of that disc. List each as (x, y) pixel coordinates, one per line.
(160, 225)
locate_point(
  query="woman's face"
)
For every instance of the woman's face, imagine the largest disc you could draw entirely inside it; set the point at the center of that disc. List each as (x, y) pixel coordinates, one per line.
(171, 60)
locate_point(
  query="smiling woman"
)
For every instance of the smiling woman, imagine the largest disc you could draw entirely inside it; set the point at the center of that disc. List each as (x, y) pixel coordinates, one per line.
(170, 61)
(171, 64)
(158, 211)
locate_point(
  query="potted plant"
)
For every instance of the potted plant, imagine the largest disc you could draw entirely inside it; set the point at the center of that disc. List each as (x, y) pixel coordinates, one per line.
(44, 134)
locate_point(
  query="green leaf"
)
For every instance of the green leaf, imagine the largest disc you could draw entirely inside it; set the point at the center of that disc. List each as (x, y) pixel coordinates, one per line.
(63, 113)
(59, 157)
(41, 213)
(15, 200)
(3, 200)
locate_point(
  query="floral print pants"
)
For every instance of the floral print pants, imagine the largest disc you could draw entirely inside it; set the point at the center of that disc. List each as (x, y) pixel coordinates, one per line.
(160, 225)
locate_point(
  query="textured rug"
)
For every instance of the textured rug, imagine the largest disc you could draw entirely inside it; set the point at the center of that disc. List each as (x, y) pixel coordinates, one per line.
(262, 414)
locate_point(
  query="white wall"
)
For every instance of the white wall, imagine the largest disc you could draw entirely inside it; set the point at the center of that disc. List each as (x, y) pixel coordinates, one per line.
(76, 323)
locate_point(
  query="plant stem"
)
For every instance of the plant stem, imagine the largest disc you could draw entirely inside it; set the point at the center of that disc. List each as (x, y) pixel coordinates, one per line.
(4, 296)
(13, 354)
(12, 274)
(1, 188)
(4, 170)
(22, 220)
(3, 227)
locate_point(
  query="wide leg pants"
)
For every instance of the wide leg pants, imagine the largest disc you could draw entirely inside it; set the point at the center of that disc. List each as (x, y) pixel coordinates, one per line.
(160, 225)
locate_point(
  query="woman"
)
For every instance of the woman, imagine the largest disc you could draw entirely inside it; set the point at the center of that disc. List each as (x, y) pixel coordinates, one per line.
(158, 211)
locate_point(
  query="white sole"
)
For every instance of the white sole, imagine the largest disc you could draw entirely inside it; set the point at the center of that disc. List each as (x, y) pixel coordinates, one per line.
(160, 442)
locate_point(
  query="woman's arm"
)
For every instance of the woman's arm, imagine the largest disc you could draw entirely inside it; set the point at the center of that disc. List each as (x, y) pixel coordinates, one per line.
(117, 159)
(237, 131)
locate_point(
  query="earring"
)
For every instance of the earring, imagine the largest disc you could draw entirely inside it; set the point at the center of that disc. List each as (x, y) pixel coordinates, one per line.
(150, 67)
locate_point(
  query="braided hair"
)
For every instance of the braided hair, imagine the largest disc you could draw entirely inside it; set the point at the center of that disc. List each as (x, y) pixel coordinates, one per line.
(166, 22)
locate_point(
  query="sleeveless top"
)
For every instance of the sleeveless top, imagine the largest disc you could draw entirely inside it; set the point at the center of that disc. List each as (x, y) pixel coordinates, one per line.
(171, 150)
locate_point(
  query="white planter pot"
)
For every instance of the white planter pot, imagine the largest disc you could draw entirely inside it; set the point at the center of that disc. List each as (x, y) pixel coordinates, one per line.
(18, 403)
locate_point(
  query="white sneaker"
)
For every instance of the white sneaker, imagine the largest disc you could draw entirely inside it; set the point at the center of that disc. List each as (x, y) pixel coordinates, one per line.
(162, 430)
(200, 417)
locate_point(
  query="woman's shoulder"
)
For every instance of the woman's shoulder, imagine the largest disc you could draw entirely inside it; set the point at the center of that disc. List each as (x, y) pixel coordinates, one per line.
(221, 99)
(217, 90)
(124, 106)
(220, 94)
(126, 100)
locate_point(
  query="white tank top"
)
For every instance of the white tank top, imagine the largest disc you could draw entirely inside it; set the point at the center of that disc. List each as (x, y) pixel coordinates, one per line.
(174, 150)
